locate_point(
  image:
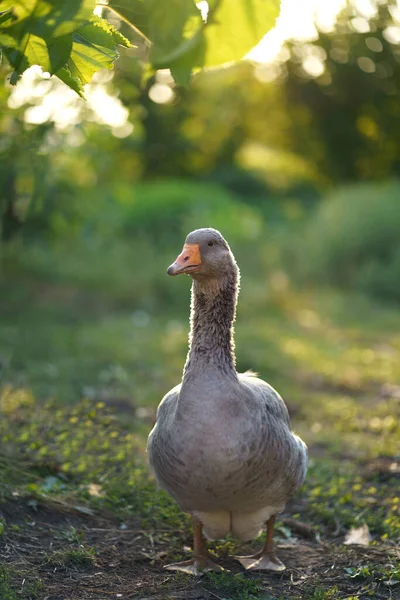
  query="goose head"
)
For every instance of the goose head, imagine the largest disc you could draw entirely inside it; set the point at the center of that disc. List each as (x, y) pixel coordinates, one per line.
(205, 255)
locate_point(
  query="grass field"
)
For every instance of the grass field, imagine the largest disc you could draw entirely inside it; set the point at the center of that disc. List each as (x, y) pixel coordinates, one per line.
(82, 372)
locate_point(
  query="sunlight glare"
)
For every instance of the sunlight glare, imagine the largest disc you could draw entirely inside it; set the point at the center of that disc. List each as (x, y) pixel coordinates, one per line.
(109, 109)
(392, 34)
(51, 100)
(203, 8)
(296, 21)
(161, 93)
(313, 66)
(366, 8)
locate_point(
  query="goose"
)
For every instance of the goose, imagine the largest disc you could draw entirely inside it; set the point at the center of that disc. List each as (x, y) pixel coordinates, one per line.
(222, 445)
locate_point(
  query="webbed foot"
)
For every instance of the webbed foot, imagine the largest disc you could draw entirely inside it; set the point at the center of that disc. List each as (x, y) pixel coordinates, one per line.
(265, 560)
(195, 566)
(261, 562)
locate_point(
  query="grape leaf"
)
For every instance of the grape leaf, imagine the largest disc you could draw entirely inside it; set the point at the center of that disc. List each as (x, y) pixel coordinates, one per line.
(93, 48)
(51, 57)
(59, 52)
(108, 28)
(35, 51)
(73, 82)
(62, 37)
(39, 32)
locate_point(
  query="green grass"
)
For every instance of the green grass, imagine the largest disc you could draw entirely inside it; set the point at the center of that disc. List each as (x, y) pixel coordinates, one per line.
(317, 593)
(82, 452)
(6, 592)
(86, 453)
(27, 589)
(233, 587)
(76, 558)
(339, 496)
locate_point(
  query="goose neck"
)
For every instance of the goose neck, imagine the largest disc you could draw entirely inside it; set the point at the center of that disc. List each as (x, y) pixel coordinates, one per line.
(211, 340)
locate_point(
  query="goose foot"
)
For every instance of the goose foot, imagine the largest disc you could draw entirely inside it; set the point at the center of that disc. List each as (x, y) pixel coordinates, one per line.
(201, 561)
(265, 560)
(261, 562)
(195, 566)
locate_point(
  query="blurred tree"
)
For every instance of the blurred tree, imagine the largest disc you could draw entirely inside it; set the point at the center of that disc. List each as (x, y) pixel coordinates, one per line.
(20, 168)
(343, 94)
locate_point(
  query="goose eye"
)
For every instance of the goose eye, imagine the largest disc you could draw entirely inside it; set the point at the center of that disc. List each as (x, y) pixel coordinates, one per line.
(211, 243)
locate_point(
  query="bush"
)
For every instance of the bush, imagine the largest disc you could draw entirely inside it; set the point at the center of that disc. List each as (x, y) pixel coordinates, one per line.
(353, 240)
(123, 246)
(165, 211)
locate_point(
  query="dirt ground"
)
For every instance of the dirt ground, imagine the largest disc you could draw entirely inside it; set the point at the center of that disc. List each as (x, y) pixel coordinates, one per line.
(128, 563)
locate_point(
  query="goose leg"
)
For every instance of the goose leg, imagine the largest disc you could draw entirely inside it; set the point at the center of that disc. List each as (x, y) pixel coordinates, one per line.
(265, 560)
(201, 560)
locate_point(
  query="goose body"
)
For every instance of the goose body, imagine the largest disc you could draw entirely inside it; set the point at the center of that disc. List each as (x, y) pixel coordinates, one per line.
(222, 445)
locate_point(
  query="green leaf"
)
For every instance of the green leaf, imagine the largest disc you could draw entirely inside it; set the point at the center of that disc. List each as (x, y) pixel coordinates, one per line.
(182, 67)
(134, 12)
(74, 83)
(70, 15)
(108, 28)
(59, 52)
(35, 52)
(50, 18)
(235, 27)
(20, 8)
(173, 27)
(39, 32)
(62, 37)
(6, 18)
(93, 48)
(170, 25)
(7, 41)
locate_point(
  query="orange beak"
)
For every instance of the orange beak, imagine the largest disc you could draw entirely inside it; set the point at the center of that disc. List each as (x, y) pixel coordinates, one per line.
(189, 261)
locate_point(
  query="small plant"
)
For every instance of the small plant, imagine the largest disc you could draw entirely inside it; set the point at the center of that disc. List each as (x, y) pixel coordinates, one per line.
(32, 590)
(323, 594)
(6, 591)
(77, 558)
(360, 572)
(388, 574)
(73, 535)
(225, 548)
